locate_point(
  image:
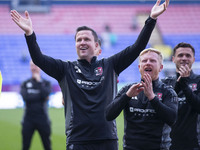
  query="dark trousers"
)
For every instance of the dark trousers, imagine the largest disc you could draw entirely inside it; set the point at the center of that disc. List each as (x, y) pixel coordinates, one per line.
(28, 128)
(99, 145)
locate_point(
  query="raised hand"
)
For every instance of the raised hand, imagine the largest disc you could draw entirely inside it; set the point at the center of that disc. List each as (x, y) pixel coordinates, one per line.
(134, 90)
(184, 71)
(24, 23)
(158, 9)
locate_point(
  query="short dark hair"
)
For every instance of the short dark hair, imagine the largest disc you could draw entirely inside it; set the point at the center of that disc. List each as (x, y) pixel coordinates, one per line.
(87, 28)
(183, 44)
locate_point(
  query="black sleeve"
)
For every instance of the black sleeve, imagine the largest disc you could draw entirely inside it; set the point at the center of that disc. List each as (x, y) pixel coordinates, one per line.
(52, 67)
(23, 91)
(193, 98)
(45, 89)
(124, 58)
(117, 105)
(167, 109)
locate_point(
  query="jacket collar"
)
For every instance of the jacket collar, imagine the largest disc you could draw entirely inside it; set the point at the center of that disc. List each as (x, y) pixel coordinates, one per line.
(154, 83)
(84, 61)
(191, 74)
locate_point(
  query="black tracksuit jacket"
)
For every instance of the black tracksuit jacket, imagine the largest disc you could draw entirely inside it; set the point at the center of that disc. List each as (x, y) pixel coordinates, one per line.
(35, 96)
(89, 87)
(185, 131)
(146, 123)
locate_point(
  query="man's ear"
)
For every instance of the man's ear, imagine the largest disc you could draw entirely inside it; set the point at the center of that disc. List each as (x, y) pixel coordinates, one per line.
(96, 44)
(173, 58)
(161, 67)
(100, 52)
(193, 60)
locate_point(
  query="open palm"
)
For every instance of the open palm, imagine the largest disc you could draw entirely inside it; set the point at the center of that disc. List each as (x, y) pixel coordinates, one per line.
(159, 9)
(24, 23)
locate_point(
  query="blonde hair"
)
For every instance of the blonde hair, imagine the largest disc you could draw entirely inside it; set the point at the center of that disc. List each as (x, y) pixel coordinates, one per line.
(152, 50)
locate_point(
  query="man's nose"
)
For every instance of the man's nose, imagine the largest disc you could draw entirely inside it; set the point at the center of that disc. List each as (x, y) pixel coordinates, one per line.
(148, 61)
(184, 57)
(82, 41)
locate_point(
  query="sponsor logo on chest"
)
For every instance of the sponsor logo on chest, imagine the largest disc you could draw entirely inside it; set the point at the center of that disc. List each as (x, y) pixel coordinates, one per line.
(142, 112)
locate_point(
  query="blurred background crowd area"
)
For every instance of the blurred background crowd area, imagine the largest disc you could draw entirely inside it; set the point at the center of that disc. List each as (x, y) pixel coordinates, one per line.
(117, 23)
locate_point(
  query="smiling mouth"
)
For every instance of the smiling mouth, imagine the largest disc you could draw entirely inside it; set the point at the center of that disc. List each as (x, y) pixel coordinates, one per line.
(83, 49)
(184, 64)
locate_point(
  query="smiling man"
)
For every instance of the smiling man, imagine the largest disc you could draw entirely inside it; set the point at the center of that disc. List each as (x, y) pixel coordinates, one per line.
(150, 107)
(88, 85)
(187, 86)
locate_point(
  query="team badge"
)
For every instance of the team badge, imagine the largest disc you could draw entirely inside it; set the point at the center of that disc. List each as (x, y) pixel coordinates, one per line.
(193, 86)
(159, 95)
(98, 71)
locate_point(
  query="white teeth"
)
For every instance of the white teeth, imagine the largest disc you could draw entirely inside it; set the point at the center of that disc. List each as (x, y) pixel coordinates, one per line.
(83, 48)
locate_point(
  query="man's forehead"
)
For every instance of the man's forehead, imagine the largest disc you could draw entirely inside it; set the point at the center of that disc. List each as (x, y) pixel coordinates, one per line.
(184, 50)
(84, 33)
(149, 54)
